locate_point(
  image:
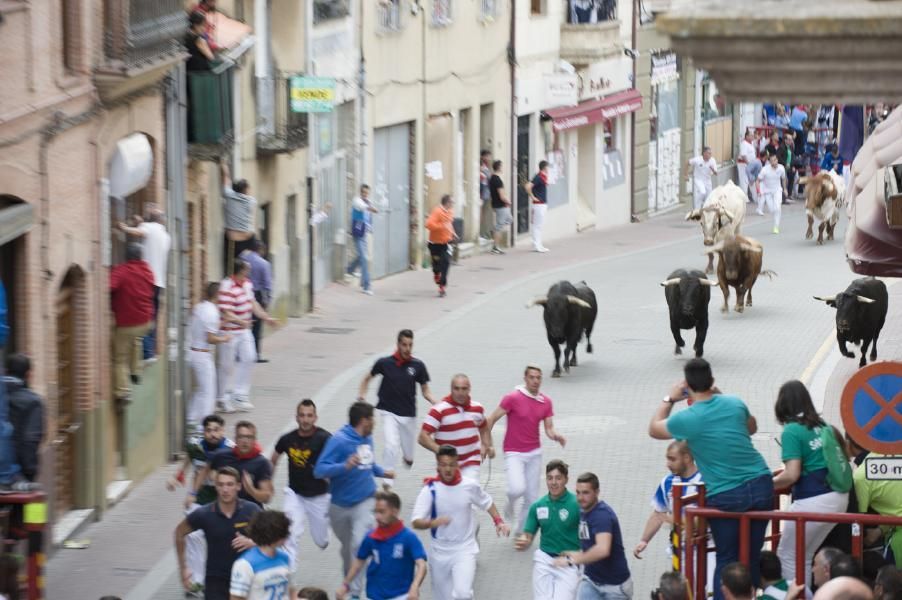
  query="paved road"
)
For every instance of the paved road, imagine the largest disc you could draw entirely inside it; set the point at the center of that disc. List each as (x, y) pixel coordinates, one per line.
(483, 329)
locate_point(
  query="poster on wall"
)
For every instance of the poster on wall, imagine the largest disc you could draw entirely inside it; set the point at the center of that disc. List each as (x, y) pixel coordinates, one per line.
(612, 169)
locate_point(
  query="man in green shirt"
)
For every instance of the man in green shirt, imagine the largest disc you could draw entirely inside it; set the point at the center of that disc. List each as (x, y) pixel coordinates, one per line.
(883, 497)
(557, 515)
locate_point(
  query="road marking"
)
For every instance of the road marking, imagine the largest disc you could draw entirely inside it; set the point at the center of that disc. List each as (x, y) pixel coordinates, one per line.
(819, 357)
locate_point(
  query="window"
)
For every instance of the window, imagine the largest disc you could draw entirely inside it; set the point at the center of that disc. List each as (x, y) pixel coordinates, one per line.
(489, 10)
(717, 121)
(72, 35)
(441, 13)
(388, 15)
(537, 7)
(326, 10)
(591, 11)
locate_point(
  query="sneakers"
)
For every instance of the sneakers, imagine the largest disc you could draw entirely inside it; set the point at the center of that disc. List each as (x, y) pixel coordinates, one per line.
(225, 406)
(243, 405)
(196, 591)
(368, 292)
(759, 213)
(441, 291)
(496, 250)
(541, 249)
(776, 230)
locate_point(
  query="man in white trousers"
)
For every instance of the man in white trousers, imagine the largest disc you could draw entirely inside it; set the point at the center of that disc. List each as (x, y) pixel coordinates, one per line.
(746, 156)
(526, 407)
(306, 497)
(238, 355)
(701, 169)
(397, 405)
(773, 188)
(459, 421)
(446, 506)
(204, 335)
(538, 195)
(557, 515)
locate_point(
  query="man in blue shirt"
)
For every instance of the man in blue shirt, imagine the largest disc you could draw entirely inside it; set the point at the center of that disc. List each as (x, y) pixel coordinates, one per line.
(718, 429)
(348, 461)
(606, 575)
(261, 278)
(397, 565)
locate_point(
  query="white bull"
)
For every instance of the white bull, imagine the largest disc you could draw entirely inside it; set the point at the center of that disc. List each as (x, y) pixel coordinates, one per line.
(824, 196)
(721, 216)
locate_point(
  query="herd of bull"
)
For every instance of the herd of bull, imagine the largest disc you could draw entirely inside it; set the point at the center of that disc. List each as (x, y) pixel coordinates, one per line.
(570, 310)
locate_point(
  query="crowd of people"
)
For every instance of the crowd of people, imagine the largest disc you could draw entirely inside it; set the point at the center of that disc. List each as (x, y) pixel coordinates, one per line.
(337, 486)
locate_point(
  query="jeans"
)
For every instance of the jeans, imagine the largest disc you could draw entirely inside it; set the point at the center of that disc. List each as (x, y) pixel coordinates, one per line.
(755, 494)
(257, 322)
(361, 261)
(149, 343)
(588, 590)
(441, 262)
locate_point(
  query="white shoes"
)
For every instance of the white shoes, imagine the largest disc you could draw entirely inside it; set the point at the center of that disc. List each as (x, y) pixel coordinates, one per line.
(243, 405)
(541, 249)
(225, 406)
(368, 292)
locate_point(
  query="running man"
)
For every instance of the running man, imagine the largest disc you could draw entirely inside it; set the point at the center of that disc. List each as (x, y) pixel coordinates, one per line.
(446, 506)
(701, 169)
(397, 559)
(441, 233)
(773, 178)
(526, 407)
(204, 335)
(459, 421)
(397, 405)
(247, 457)
(306, 496)
(557, 515)
(264, 572)
(606, 575)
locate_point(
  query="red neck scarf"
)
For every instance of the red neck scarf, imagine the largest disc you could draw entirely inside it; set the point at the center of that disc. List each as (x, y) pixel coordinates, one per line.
(457, 479)
(450, 401)
(255, 451)
(380, 533)
(400, 362)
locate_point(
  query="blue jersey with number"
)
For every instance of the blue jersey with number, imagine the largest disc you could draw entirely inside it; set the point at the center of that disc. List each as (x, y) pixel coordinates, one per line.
(256, 576)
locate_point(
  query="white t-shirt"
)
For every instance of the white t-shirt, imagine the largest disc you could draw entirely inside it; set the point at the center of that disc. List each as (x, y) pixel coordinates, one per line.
(256, 576)
(701, 173)
(772, 177)
(204, 320)
(747, 151)
(457, 502)
(156, 250)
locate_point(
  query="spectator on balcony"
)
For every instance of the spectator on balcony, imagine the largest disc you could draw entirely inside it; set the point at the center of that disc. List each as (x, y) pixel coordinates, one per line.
(261, 278)
(581, 11)
(201, 54)
(239, 211)
(207, 8)
(155, 243)
(131, 299)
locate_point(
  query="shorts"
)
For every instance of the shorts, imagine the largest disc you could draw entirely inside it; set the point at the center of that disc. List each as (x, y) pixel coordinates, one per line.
(502, 218)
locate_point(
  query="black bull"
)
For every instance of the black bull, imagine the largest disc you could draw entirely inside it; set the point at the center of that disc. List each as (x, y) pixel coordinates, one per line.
(570, 310)
(860, 315)
(688, 292)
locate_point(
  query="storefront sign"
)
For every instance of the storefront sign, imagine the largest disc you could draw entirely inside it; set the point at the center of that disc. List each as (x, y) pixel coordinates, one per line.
(312, 94)
(664, 68)
(587, 113)
(561, 89)
(605, 78)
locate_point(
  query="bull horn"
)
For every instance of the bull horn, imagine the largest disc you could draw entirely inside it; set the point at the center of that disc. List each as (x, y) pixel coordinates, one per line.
(707, 282)
(715, 248)
(728, 214)
(673, 281)
(578, 301)
(825, 298)
(865, 299)
(541, 301)
(693, 215)
(751, 248)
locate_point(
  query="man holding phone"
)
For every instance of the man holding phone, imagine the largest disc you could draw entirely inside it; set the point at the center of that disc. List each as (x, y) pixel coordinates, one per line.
(719, 429)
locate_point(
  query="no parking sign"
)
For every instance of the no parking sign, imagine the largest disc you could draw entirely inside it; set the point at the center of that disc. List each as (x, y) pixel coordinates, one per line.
(871, 409)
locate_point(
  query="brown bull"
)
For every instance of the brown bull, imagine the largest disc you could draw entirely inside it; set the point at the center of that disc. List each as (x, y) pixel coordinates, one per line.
(739, 265)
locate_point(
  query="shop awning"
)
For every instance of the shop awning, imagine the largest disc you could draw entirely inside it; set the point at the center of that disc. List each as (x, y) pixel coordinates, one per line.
(587, 113)
(15, 220)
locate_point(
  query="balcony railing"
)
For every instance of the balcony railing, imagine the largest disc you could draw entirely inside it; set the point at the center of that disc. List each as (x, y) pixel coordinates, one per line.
(389, 16)
(279, 128)
(139, 33)
(210, 119)
(441, 13)
(591, 11)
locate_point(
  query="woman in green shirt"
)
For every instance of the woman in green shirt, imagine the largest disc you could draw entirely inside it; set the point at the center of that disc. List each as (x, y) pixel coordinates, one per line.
(805, 469)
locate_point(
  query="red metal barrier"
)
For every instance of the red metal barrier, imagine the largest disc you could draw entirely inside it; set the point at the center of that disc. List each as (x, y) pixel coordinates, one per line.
(692, 538)
(34, 512)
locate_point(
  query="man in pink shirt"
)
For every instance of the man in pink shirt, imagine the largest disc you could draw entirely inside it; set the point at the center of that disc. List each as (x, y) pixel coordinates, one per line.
(525, 408)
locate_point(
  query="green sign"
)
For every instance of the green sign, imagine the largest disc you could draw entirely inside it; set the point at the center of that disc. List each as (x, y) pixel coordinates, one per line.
(312, 94)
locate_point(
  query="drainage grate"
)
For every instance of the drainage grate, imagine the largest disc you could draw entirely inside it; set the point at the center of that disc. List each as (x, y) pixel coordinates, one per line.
(331, 330)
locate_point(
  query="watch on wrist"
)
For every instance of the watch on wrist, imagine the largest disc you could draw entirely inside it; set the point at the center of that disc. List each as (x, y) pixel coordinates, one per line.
(668, 400)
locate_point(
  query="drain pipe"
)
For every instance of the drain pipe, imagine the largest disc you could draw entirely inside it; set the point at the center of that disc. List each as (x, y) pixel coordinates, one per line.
(514, 184)
(633, 217)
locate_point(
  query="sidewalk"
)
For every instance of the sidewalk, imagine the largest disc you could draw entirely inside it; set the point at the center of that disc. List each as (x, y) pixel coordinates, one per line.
(316, 356)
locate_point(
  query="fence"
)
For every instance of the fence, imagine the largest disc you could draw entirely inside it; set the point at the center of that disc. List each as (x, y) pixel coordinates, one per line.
(694, 538)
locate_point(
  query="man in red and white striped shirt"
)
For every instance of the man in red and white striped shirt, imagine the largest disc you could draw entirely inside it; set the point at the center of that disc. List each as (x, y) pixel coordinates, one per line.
(237, 305)
(460, 422)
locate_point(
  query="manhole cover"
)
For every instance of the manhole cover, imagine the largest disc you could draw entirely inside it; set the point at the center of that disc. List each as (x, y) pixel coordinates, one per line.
(331, 330)
(636, 342)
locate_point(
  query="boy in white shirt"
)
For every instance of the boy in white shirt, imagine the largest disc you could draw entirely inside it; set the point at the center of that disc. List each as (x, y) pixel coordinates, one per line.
(701, 169)
(264, 571)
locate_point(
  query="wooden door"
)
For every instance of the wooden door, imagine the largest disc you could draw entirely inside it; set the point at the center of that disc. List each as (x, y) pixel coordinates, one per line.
(67, 416)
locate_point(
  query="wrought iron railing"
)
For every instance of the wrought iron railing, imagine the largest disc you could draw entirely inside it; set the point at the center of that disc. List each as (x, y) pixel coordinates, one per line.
(140, 32)
(489, 10)
(279, 128)
(388, 14)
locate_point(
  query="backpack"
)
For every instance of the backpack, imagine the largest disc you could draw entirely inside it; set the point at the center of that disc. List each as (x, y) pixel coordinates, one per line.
(839, 471)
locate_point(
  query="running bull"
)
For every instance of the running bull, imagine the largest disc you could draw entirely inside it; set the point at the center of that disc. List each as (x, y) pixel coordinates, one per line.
(688, 292)
(569, 311)
(824, 195)
(721, 216)
(738, 266)
(860, 314)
